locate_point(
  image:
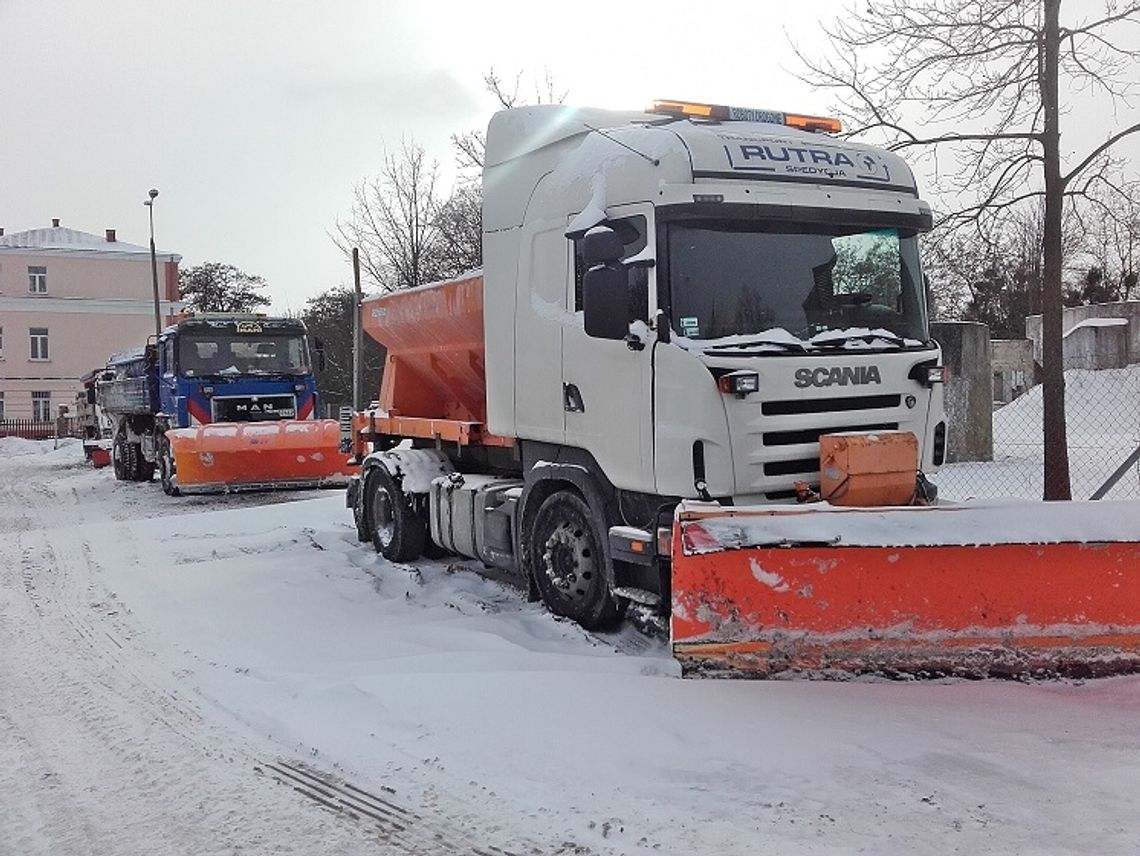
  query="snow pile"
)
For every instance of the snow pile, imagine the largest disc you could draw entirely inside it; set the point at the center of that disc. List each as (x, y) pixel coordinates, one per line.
(969, 524)
(1102, 410)
(13, 447)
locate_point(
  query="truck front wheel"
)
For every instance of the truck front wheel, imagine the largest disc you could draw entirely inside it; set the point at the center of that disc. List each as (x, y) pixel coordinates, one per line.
(569, 562)
(166, 468)
(398, 530)
(119, 462)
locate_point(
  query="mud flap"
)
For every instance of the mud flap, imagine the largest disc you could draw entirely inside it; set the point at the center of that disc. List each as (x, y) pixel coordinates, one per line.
(1011, 590)
(230, 456)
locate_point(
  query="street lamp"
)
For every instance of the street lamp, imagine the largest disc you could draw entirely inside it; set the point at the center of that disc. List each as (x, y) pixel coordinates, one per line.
(154, 264)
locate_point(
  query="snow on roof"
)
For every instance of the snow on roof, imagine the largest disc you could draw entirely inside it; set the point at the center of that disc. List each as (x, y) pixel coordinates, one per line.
(60, 238)
(1098, 322)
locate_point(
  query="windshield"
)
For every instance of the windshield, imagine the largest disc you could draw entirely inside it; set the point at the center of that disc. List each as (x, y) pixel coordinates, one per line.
(731, 278)
(226, 354)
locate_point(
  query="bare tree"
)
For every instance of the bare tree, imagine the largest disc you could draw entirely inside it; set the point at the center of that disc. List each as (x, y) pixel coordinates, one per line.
(1112, 243)
(985, 74)
(470, 146)
(407, 232)
(393, 221)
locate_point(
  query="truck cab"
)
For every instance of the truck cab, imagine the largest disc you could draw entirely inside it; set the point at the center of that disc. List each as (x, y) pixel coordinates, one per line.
(235, 368)
(764, 287)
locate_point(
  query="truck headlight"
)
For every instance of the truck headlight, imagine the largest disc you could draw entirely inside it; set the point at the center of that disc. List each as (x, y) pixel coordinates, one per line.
(739, 384)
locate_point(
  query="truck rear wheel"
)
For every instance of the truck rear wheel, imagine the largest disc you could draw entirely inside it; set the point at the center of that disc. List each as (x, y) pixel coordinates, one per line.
(398, 530)
(570, 564)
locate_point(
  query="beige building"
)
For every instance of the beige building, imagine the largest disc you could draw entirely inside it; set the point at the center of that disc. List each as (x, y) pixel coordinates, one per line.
(69, 299)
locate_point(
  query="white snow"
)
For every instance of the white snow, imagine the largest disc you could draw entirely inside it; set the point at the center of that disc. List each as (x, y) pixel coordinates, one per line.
(1098, 322)
(1102, 410)
(968, 524)
(159, 652)
(417, 468)
(770, 341)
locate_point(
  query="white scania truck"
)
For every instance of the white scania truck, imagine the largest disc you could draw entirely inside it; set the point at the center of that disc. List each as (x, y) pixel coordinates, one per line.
(675, 304)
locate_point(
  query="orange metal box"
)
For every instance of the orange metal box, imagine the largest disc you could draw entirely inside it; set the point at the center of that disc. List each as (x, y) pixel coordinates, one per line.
(868, 469)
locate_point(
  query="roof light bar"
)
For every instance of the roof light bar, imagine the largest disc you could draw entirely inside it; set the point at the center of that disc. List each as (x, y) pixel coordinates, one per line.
(725, 113)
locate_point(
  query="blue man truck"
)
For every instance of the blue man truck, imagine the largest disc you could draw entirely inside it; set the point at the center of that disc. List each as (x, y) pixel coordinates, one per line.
(220, 403)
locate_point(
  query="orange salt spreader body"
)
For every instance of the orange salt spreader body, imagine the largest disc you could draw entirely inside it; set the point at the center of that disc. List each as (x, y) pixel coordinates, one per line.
(434, 384)
(973, 590)
(237, 456)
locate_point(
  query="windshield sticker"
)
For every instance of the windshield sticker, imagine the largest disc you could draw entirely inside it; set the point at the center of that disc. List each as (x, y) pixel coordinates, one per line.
(691, 327)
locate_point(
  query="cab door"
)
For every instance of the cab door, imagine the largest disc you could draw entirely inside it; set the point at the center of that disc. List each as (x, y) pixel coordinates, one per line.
(607, 385)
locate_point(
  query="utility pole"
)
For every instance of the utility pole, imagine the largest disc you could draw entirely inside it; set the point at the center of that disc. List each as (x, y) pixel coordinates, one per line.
(154, 265)
(357, 335)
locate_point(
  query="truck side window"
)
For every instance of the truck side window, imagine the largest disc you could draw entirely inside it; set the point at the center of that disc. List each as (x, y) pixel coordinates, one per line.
(632, 231)
(168, 356)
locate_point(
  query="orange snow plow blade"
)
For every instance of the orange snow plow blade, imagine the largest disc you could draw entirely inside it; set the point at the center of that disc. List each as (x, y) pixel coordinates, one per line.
(231, 456)
(1027, 589)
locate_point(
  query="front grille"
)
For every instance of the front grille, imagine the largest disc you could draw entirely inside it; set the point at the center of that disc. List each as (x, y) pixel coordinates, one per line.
(829, 405)
(812, 435)
(798, 466)
(254, 408)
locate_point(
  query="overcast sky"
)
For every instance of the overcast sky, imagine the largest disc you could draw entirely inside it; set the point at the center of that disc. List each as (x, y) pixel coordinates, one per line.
(255, 118)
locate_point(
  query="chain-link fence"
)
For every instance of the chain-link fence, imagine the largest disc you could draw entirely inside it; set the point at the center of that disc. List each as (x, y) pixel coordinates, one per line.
(1102, 411)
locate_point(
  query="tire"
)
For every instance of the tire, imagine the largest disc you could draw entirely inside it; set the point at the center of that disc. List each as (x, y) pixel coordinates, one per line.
(166, 473)
(360, 514)
(398, 531)
(119, 457)
(569, 562)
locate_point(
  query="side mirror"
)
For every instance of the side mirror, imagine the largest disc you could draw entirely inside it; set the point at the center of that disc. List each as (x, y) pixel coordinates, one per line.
(319, 349)
(605, 302)
(602, 246)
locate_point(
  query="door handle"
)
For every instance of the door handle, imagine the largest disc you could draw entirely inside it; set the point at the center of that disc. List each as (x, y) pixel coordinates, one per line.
(572, 399)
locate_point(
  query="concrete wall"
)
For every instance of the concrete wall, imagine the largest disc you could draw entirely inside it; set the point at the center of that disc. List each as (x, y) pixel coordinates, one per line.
(969, 392)
(1072, 316)
(1093, 345)
(1014, 372)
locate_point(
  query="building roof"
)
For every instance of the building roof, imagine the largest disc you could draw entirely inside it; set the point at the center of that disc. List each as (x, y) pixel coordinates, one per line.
(63, 240)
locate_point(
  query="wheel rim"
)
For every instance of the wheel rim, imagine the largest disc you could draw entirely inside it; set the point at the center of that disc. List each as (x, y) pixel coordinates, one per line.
(383, 517)
(569, 561)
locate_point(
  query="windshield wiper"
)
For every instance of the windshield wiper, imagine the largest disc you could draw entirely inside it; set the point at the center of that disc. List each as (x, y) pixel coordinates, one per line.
(782, 344)
(839, 339)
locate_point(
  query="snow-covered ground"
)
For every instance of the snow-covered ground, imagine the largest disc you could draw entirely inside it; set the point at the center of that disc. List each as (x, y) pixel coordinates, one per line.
(1102, 410)
(206, 675)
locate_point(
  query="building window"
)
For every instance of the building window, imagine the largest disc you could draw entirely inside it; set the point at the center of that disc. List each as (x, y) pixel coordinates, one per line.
(37, 279)
(1, 407)
(41, 406)
(39, 342)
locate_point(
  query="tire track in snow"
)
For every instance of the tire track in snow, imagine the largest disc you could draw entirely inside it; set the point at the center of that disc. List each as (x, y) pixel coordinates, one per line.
(100, 752)
(97, 753)
(393, 823)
